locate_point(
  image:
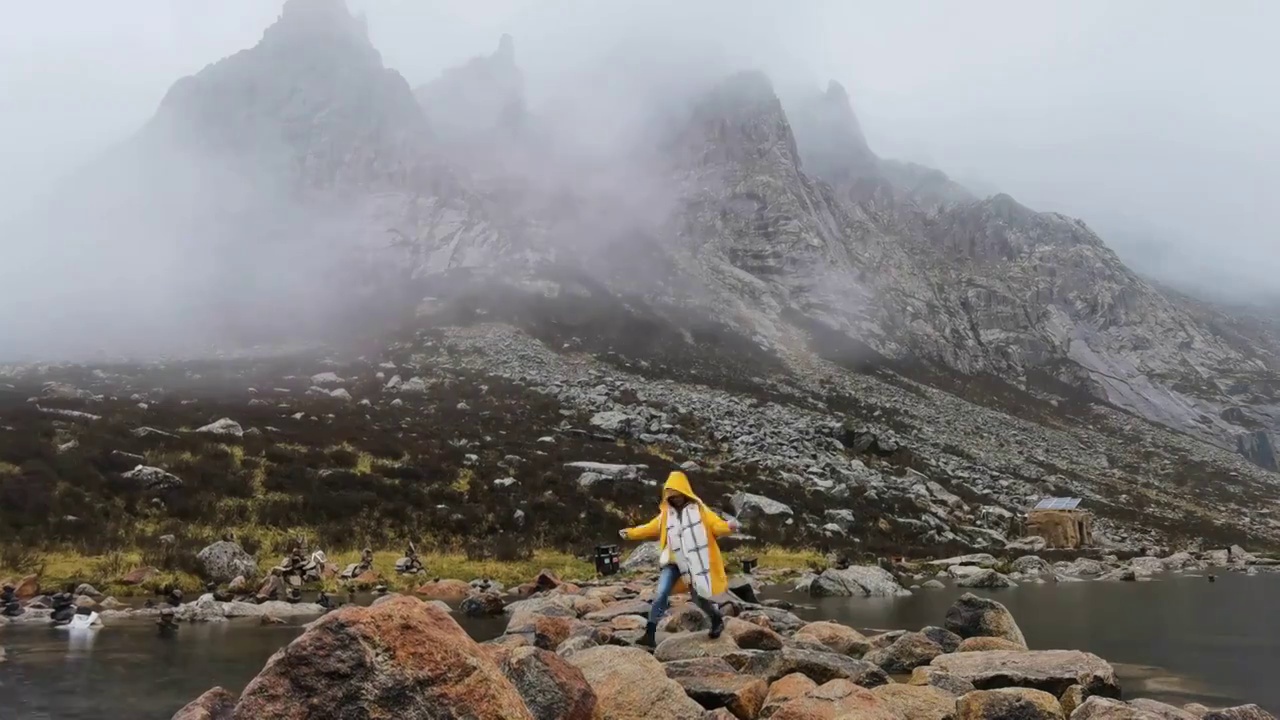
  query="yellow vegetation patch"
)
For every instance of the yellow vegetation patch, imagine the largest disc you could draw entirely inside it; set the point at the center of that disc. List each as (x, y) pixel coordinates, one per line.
(462, 482)
(169, 459)
(659, 452)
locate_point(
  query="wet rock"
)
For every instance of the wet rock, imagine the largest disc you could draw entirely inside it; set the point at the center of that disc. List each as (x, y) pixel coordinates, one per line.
(1008, 704)
(215, 704)
(917, 702)
(631, 685)
(224, 561)
(1052, 671)
(838, 638)
(857, 581)
(982, 644)
(1083, 567)
(837, 698)
(818, 666)
(1124, 574)
(1147, 565)
(277, 608)
(203, 609)
(988, 579)
(945, 639)
(1161, 711)
(225, 426)
(979, 560)
(400, 659)
(933, 585)
(905, 654)
(945, 681)
(688, 645)
(482, 605)
(973, 616)
(552, 688)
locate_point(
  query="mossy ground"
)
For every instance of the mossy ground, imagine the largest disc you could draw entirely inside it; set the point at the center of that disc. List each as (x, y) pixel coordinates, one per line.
(337, 475)
(59, 568)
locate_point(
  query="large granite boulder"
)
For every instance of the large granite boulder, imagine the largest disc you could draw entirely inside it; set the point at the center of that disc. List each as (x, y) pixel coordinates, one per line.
(224, 561)
(631, 685)
(973, 616)
(908, 652)
(857, 581)
(552, 688)
(839, 638)
(215, 704)
(1052, 671)
(835, 699)
(403, 659)
(1008, 704)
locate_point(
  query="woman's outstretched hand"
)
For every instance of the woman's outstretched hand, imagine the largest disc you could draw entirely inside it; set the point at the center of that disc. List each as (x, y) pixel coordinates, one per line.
(734, 526)
(622, 534)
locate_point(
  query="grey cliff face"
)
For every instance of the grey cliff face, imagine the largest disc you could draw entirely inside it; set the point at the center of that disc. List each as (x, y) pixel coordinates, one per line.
(779, 222)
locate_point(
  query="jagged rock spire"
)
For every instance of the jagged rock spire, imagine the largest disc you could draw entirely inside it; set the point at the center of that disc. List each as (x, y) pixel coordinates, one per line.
(830, 137)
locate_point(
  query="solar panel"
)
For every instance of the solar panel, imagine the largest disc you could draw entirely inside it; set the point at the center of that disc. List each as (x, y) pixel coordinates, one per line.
(1058, 504)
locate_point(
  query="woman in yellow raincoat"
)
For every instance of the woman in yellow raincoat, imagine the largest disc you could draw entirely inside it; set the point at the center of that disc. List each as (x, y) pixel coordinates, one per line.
(686, 532)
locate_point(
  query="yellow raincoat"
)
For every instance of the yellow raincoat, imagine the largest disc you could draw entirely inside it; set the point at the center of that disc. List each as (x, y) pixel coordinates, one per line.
(656, 529)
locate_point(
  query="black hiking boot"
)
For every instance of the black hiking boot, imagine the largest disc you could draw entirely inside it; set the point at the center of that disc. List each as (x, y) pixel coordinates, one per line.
(648, 640)
(717, 626)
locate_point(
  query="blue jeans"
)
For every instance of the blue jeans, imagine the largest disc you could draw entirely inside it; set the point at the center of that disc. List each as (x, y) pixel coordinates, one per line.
(662, 598)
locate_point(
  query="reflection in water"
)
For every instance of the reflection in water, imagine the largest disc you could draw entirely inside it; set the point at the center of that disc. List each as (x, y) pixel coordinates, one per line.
(1181, 639)
(80, 641)
(1216, 643)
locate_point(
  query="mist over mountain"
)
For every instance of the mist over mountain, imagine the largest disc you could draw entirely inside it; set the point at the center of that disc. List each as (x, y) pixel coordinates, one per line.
(303, 190)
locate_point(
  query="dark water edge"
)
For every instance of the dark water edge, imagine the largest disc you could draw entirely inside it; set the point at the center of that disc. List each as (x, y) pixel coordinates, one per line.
(1179, 639)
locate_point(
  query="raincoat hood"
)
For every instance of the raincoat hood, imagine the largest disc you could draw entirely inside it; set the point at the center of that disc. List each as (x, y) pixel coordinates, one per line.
(678, 484)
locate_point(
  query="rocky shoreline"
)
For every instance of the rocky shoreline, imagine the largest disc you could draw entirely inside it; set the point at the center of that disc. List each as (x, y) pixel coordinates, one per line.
(487, 597)
(568, 652)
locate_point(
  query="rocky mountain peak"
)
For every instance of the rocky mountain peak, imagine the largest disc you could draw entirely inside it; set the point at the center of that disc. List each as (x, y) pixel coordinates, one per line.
(482, 97)
(307, 26)
(311, 101)
(831, 141)
(740, 120)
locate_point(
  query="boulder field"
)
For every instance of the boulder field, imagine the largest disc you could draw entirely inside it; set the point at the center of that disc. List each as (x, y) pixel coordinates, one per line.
(569, 653)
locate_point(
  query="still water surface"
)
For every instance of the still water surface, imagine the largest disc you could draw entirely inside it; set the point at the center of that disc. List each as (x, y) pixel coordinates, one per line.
(1179, 639)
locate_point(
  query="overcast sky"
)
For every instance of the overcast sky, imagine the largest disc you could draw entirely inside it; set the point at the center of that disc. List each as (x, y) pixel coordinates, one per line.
(1154, 120)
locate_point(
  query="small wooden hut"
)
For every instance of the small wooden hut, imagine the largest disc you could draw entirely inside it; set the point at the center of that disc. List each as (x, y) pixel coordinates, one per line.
(1062, 523)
